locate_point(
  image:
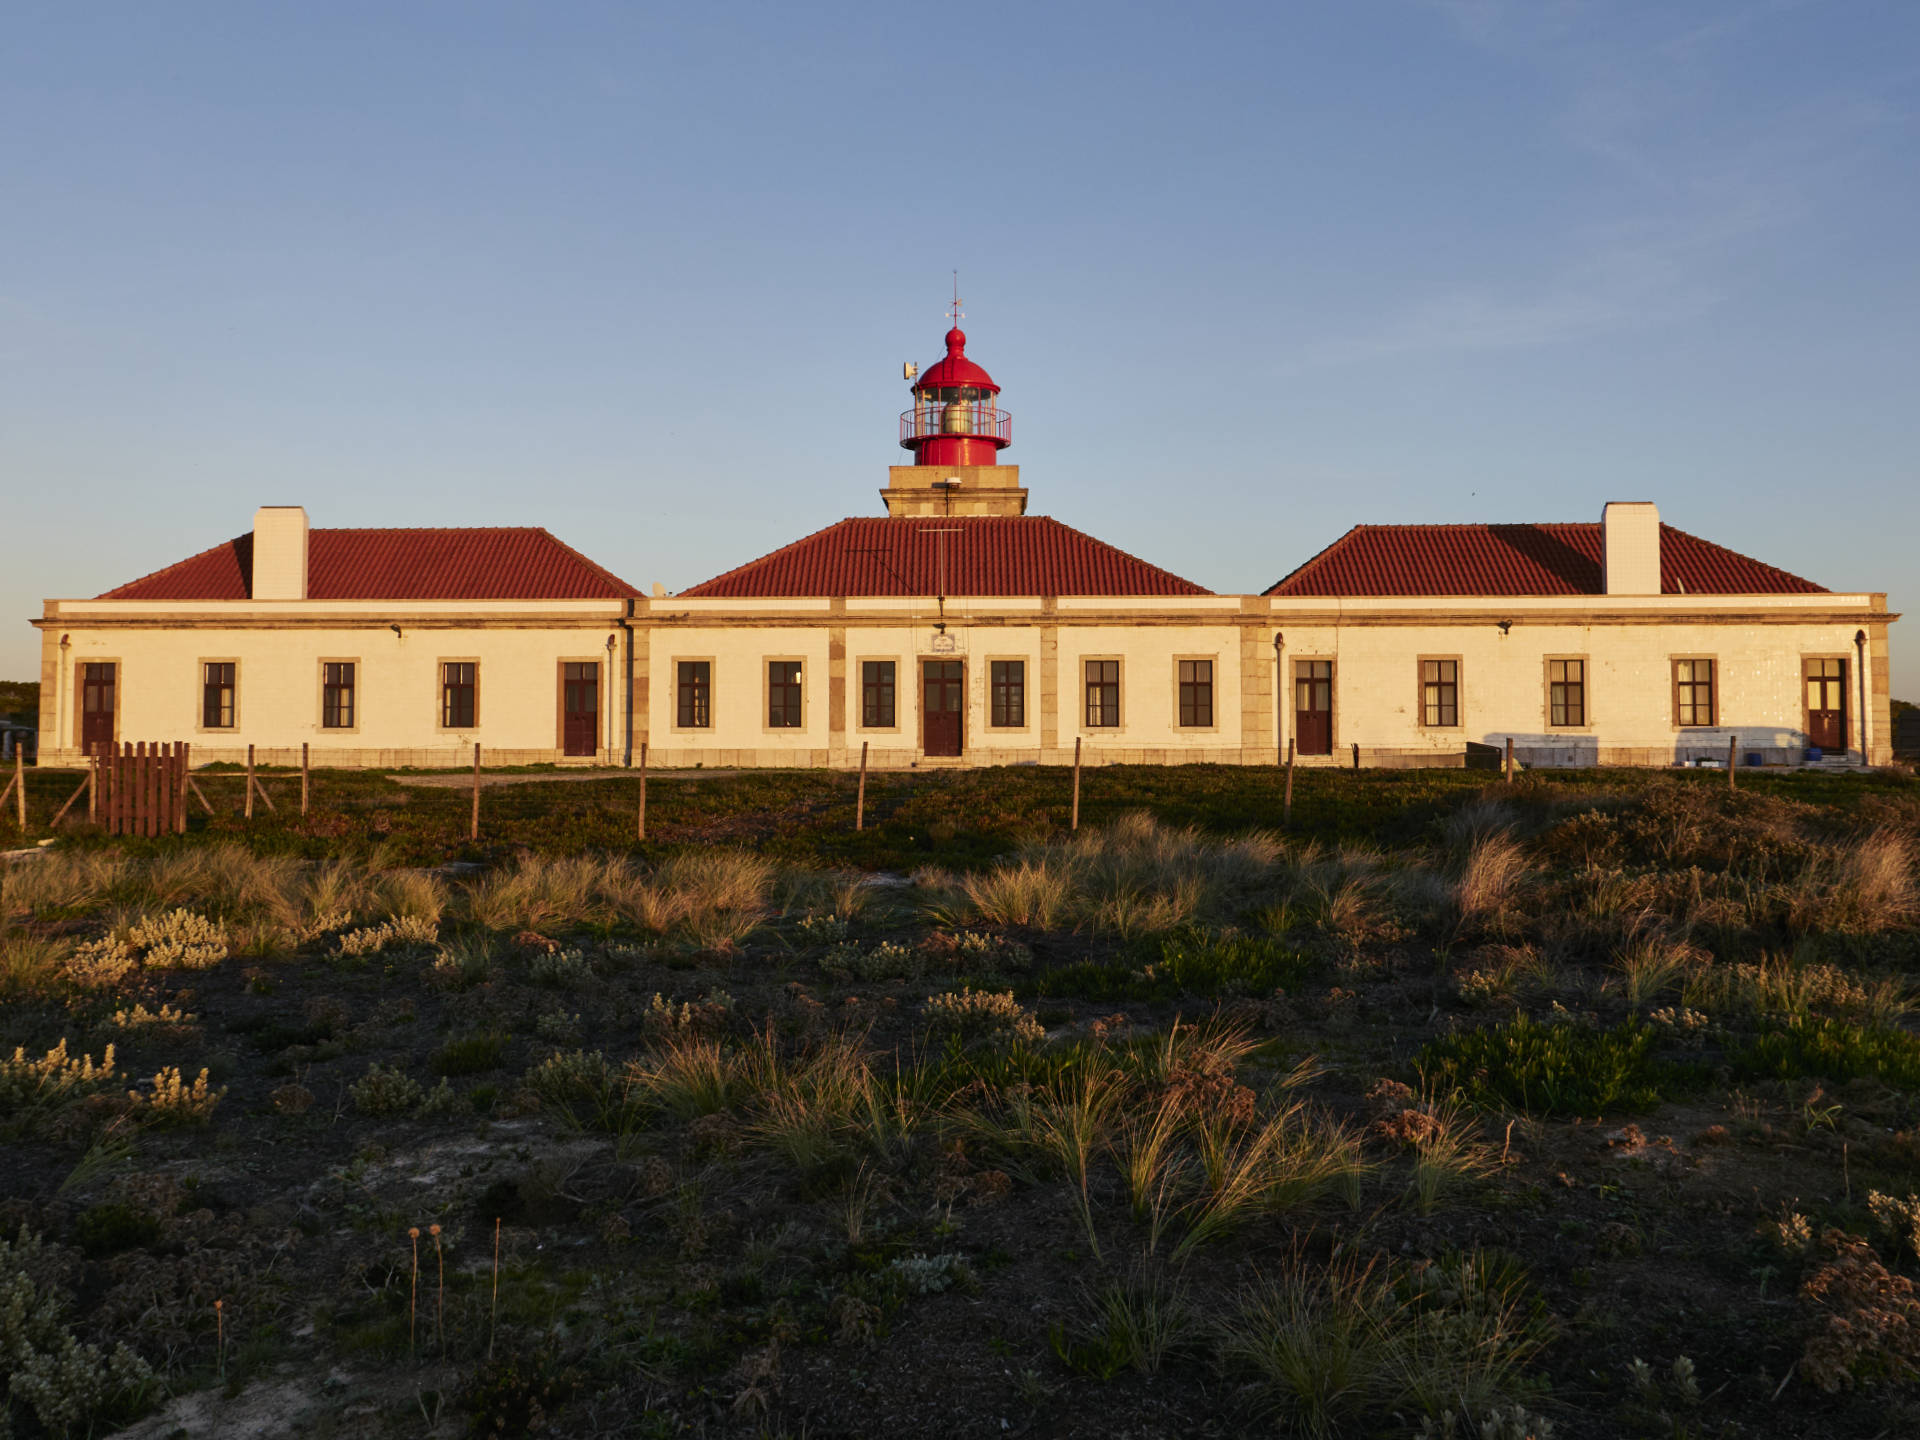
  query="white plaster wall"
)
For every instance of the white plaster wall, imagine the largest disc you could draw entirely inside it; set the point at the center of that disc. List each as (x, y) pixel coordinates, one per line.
(975, 647)
(739, 699)
(1503, 688)
(278, 702)
(1149, 697)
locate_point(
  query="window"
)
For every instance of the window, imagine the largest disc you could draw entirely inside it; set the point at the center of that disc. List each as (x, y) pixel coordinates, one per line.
(876, 692)
(1693, 697)
(1196, 692)
(783, 694)
(1566, 692)
(1103, 692)
(695, 694)
(336, 695)
(216, 694)
(459, 692)
(1009, 684)
(1440, 692)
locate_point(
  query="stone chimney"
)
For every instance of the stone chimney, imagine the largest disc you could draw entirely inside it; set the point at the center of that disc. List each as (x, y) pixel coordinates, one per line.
(1630, 549)
(280, 553)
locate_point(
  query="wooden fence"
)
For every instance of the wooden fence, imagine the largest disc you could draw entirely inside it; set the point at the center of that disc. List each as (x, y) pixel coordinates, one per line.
(141, 788)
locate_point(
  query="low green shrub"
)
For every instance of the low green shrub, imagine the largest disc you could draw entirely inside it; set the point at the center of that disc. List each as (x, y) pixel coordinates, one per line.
(111, 1227)
(1568, 1069)
(1830, 1049)
(972, 1013)
(382, 1091)
(469, 1054)
(1188, 962)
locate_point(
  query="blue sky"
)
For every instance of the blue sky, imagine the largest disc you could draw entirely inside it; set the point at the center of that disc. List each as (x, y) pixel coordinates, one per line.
(1249, 274)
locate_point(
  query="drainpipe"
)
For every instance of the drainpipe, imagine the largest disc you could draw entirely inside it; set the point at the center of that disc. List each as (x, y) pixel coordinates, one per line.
(1279, 698)
(1860, 649)
(626, 624)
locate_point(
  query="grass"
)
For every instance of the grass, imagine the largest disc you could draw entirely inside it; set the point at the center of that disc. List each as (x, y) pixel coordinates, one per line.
(1831, 1049)
(1190, 962)
(752, 1114)
(1337, 1349)
(1558, 1070)
(470, 1054)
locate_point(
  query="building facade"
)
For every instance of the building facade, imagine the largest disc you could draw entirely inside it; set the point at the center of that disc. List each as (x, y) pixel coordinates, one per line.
(959, 630)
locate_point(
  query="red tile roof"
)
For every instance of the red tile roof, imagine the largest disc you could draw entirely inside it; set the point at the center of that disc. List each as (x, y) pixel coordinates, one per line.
(506, 563)
(986, 555)
(1519, 560)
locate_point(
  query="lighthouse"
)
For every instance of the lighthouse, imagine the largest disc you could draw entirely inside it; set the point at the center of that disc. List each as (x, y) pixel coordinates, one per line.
(956, 418)
(956, 431)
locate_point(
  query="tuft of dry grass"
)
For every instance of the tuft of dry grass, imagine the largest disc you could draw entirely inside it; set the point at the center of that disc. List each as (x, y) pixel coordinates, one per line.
(1133, 877)
(1863, 887)
(1652, 967)
(1789, 987)
(690, 1075)
(539, 892)
(720, 896)
(61, 880)
(1336, 1350)
(1491, 877)
(1032, 892)
(410, 895)
(31, 965)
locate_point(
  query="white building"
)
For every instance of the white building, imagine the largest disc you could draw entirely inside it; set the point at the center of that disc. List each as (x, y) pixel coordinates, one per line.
(959, 630)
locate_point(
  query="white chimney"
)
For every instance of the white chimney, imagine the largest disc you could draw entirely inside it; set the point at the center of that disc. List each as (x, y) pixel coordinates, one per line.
(280, 552)
(1630, 547)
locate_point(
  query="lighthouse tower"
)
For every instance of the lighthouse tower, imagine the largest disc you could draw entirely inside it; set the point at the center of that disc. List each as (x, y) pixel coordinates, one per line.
(956, 431)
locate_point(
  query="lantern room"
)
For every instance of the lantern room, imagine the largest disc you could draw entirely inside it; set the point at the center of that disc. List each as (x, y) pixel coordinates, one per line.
(954, 420)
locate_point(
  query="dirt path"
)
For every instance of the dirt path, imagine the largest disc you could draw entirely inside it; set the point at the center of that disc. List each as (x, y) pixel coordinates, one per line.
(462, 782)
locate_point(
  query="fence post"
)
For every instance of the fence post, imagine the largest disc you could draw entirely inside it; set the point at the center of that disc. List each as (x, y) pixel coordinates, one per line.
(180, 815)
(305, 777)
(642, 830)
(1286, 812)
(93, 784)
(473, 830)
(20, 785)
(1074, 822)
(1509, 759)
(860, 801)
(249, 809)
(1356, 754)
(1733, 743)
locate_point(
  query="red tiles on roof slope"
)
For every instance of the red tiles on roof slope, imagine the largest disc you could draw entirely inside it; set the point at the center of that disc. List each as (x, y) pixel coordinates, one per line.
(1519, 560)
(983, 555)
(504, 563)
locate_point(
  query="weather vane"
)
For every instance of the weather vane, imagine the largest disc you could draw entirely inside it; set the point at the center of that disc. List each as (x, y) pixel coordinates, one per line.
(956, 314)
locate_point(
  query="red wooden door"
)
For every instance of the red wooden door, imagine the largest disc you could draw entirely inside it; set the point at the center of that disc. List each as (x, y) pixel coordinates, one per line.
(943, 688)
(580, 707)
(1827, 704)
(1313, 706)
(96, 704)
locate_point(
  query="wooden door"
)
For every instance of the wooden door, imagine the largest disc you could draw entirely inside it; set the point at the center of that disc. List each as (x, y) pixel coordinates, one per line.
(1313, 706)
(1827, 704)
(96, 704)
(580, 707)
(943, 690)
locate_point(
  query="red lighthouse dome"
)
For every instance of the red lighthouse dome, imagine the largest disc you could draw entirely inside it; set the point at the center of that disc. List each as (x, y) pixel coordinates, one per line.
(954, 420)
